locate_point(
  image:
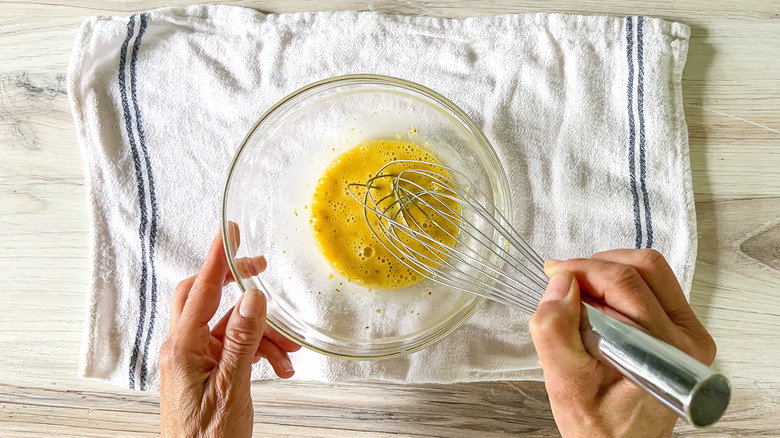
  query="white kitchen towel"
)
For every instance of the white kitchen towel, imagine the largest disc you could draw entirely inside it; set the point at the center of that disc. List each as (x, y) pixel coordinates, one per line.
(585, 113)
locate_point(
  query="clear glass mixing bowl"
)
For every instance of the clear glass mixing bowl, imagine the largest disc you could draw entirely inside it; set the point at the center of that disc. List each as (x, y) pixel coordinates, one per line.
(269, 189)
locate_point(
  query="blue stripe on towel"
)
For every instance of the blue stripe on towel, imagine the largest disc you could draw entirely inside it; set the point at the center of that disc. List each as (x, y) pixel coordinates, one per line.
(141, 198)
(640, 90)
(632, 131)
(153, 202)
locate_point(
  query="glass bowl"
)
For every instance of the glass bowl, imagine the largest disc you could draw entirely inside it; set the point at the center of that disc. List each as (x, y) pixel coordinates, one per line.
(269, 188)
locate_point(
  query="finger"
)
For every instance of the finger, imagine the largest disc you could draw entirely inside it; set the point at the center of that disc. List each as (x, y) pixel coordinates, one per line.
(233, 242)
(233, 237)
(219, 328)
(206, 290)
(622, 289)
(658, 275)
(179, 298)
(277, 357)
(555, 329)
(243, 333)
(653, 267)
(248, 267)
(280, 340)
(270, 333)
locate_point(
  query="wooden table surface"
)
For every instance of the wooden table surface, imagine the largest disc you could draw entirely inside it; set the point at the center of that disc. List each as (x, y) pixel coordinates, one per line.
(732, 103)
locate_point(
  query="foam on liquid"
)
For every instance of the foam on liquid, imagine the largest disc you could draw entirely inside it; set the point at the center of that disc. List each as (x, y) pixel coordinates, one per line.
(338, 222)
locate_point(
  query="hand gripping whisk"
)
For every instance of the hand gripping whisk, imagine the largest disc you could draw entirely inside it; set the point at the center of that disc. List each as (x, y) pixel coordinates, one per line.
(440, 224)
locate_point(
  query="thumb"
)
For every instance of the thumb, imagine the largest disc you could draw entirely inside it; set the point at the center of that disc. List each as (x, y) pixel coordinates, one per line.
(555, 327)
(243, 333)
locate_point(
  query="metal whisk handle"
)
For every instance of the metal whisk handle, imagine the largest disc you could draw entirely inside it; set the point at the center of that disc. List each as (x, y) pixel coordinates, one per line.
(690, 388)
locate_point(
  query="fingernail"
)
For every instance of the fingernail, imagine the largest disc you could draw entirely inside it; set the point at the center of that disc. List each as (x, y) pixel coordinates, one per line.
(559, 286)
(287, 365)
(549, 263)
(251, 304)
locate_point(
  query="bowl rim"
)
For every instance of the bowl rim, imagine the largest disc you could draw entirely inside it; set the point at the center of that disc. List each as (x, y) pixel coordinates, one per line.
(460, 115)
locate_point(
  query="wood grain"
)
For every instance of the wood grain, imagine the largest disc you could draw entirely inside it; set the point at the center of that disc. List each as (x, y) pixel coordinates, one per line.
(732, 100)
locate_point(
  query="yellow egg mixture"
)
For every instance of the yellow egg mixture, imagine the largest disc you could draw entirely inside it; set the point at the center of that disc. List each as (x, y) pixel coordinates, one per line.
(338, 222)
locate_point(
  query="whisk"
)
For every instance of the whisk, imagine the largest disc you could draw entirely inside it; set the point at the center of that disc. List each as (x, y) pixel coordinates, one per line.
(438, 222)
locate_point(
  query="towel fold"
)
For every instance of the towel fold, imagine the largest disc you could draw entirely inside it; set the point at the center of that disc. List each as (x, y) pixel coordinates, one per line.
(585, 113)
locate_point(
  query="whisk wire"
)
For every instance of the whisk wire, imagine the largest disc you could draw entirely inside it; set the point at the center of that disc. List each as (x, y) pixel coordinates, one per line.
(424, 264)
(448, 208)
(389, 226)
(502, 252)
(497, 219)
(456, 219)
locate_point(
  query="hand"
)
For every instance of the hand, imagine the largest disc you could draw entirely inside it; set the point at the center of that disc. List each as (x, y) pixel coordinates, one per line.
(205, 373)
(589, 398)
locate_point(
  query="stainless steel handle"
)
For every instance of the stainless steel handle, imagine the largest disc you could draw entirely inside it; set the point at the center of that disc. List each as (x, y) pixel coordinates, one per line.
(693, 390)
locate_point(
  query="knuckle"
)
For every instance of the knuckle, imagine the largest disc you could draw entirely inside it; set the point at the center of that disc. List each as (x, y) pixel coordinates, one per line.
(624, 276)
(653, 260)
(206, 282)
(242, 336)
(243, 267)
(250, 266)
(166, 356)
(640, 313)
(181, 288)
(630, 277)
(709, 350)
(696, 343)
(534, 325)
(547, 320)
(172, 319)
(223, 382)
